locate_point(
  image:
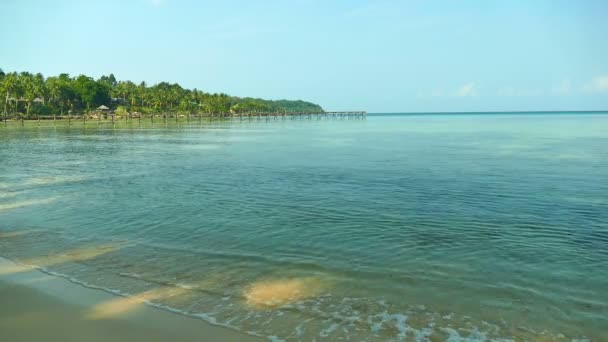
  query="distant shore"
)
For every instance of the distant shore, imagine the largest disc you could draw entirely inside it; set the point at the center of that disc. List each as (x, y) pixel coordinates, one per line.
(39, 307)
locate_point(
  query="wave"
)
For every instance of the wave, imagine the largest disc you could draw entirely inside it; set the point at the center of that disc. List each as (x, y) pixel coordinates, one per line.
(320, 316)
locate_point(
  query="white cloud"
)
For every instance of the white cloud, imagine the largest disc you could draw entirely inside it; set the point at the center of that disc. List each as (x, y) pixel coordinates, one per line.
(597, 85)
(466, 90)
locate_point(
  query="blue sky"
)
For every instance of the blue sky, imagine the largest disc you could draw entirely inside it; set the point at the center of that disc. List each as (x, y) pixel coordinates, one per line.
(380, 56)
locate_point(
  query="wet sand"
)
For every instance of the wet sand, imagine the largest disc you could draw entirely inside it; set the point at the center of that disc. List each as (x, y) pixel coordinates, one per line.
(35, 306)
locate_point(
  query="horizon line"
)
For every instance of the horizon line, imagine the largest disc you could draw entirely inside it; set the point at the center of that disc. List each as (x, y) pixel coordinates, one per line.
(496, 112)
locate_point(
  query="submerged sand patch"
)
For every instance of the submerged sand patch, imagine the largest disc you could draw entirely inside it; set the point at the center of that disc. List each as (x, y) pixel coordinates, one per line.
(78, 254)
(74, 255)
(52, 180)
(4, 194)
(274, 293)
(124, 305)
(42, 181)
(16, 205)
(15, 233)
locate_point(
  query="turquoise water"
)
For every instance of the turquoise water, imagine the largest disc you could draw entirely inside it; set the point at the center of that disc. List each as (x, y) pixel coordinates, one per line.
(437, 227)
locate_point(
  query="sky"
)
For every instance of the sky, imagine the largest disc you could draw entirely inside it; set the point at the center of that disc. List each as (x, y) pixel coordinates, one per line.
(373, 55)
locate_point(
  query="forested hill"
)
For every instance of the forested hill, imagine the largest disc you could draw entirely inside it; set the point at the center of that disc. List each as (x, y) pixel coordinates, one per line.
(281, 105)
(35, 94)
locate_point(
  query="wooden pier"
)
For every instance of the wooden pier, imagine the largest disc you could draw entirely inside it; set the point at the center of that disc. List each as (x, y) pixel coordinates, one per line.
(164, 117)
(301, 115)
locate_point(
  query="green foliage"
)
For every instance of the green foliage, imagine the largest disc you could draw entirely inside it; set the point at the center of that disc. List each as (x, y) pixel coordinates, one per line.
(43, 109)
(33, 94)
(91, 93)
(251, 104)
(121, 110)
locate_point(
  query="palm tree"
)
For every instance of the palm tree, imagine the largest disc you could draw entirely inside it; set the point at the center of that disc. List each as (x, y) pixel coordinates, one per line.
(39, 90)
(122, 91)
(12, 88)
(65, 90)
(142, 92)
(29, 89)
(3, 91)
(54, 91)
(18, 89)
(131, 91)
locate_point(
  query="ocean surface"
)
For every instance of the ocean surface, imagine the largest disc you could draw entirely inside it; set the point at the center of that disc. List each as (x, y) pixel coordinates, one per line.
(392, 228)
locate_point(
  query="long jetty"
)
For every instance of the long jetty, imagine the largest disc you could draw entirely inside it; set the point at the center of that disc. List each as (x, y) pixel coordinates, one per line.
(102, 117)
(304, 115)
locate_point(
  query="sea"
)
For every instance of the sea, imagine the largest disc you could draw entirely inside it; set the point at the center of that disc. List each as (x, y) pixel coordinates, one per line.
(391, 227)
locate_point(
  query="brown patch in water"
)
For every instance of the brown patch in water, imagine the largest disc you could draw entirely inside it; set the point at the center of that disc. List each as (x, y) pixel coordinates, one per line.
(78, 254)
(277, 292)
(14, 233)
(123, 305)
(28, 203)
(74, 255)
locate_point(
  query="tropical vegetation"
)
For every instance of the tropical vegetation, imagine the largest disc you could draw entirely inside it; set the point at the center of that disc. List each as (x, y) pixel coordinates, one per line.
(28, 95)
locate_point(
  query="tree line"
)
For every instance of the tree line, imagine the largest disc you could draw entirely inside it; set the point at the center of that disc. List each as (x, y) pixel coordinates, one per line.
(28, 95)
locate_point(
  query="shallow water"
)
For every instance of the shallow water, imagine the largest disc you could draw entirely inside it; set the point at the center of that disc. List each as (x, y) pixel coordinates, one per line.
(436, 227)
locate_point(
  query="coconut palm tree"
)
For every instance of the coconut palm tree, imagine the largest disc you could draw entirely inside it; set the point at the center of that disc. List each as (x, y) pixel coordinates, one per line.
(3, 92)
(142, 92)
(29, 91)
(65, 90)
(131, 91)
(39, 90)
(122, 91)
(54, 91)
(12, 86)
(18, 91)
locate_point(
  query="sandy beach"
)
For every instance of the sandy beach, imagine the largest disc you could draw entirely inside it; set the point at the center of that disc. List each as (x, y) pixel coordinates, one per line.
(39, 307)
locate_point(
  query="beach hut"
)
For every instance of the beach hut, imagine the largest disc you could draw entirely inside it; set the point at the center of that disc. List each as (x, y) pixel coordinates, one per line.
(100, 112)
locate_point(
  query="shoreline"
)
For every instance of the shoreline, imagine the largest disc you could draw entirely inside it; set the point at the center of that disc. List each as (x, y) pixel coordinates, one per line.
(40, 306)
